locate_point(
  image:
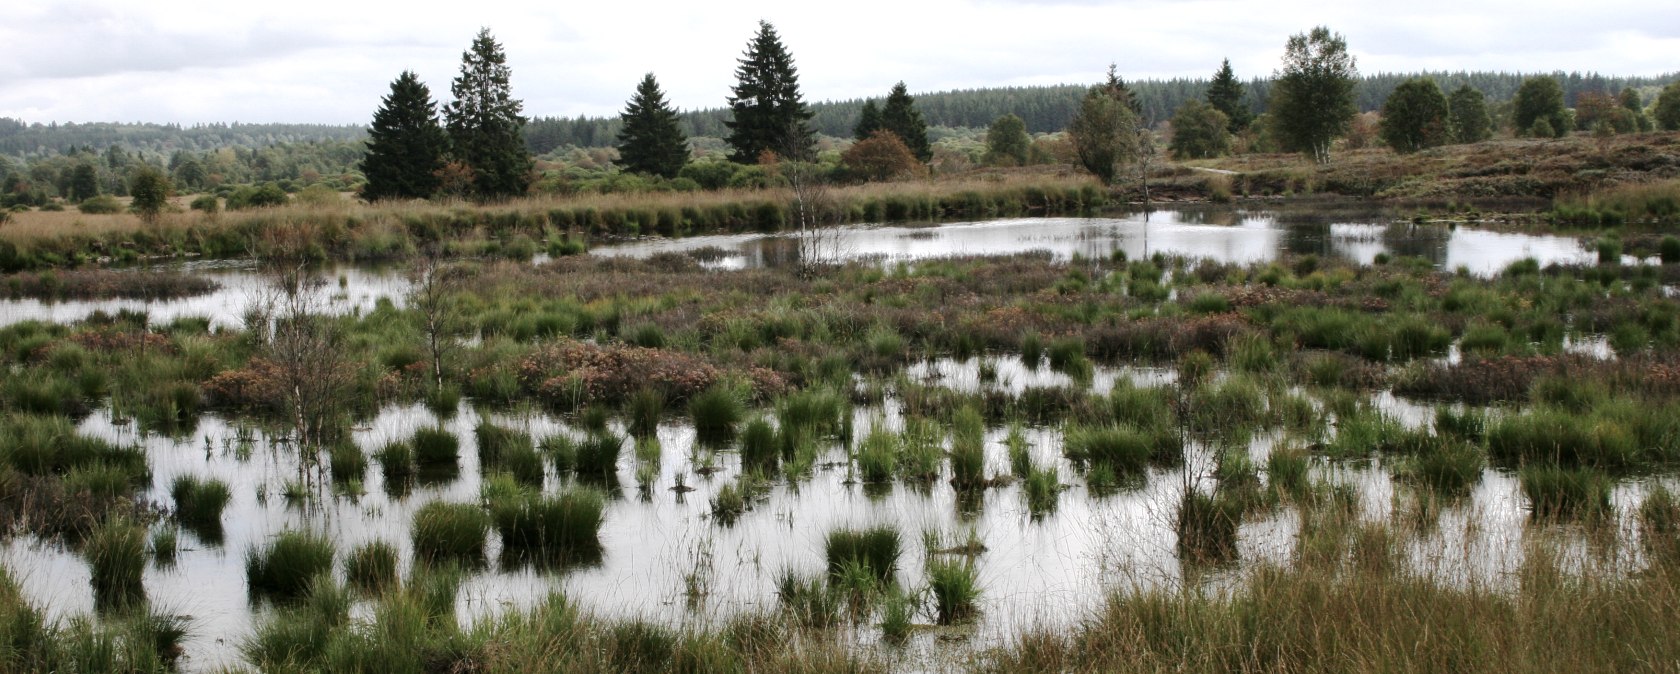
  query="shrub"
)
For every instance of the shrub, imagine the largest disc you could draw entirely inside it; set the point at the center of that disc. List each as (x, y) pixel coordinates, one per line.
(103, 204)
(284, 568)
(443, 531)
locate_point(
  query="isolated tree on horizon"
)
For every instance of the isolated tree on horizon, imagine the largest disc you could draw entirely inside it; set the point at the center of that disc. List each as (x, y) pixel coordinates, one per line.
(1006, 139)
(1200, 131)
(869, 121)
(405, 145)
(1226, 95)
(150, 190)
(652, 140)
(901, 117)
(1415, 116)
(767, 112)
(1312, 94)
(485, 124)
(1104, 133)
(1468, 115)
(1539, 99)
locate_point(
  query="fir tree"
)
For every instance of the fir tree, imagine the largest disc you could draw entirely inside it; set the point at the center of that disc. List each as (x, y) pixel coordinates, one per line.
(869, 121)
(766, 109)
(1116, 88)
(485, 127)
(84, 182)
(651, 141)
(1225, 94)
(405, 145)
(901, 117)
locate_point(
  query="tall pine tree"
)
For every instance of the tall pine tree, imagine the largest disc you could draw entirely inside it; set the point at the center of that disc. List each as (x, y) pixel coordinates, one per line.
(651, 141)
(766, 109)
(1225, 94)
(901, 117)
(485, 127)
(405, 145)
(869, 121)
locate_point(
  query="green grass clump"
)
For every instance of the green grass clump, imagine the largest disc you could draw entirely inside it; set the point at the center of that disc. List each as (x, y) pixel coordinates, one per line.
(897, 612)
(1659, 526)
(1043, 487)
(596, 457)
(1286, 471)
(1020, 454)
(875, 549)
(1207, 527)
(523, 463)
(396, 461)
(567, 524)
(643, 411)
(347, 462)
(434, 447)
(1557, 437)
(1558, 492)
(955, 588)
(968, 449)
(1669, 249)
(920, 455)
(284, 568)
(877, 456)
(759, 447)
(807, 600)
(116, 556)
(715, 413)
(372, 566)
(1124, 449)
(1450, 468)
(1032, 350)
(495, 442)
(450, 531)
(199, 502)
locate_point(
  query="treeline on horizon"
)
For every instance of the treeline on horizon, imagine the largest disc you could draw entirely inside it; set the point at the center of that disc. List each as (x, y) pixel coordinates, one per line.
(1044, 109)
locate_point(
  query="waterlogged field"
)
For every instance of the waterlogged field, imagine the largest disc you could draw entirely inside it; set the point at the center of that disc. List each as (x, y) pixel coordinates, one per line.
(1217, 439)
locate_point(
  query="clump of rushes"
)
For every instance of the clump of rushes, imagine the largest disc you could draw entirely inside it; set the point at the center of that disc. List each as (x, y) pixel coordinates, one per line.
(284, 568)
(1669, 249)
(116, 555)
(347, 462)
(715, 413)
(1124, 449)
(955, 588)
(450, 531)
(877, 456)
(968, 449)
(566, 525)
(1207, 527)
(372, 566)
(896, 613)
(1043, 487)
(494, 442)
(1556, 492)
(1286, 471)
(199, 503)
(1067, 355)
(435, 447)
(760, 450)
(523, 463)
(1032, 350)
(1020, 456)
(166, 543)
(1659, 525)
(808, 599)
(875, 549)
(396, 461)
(596, 457)
(644, 410)
(1447, 467)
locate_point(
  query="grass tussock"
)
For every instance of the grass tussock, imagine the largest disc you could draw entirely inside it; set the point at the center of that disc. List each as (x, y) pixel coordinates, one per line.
(284, 567)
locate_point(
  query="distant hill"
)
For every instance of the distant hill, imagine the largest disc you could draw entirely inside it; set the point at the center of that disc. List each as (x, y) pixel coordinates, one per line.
(1044, 109)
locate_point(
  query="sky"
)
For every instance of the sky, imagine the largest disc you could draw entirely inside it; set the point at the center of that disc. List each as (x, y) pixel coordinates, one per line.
(316, 61)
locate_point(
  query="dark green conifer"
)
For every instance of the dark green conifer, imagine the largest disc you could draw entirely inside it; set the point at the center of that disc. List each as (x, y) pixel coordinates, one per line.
(651, 141)
(767, 112)
(485, 124)
(1225, 94)
(901, 117)
(405, 145)
(869, 121)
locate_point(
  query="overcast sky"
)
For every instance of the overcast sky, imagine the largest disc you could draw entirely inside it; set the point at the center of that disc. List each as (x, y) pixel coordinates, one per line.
(330, 62)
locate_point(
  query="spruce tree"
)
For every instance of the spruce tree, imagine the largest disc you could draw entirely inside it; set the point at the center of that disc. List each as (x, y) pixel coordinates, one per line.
(485, 127)
(405, 144)
(901, 117)
(1225, 94)
(1116, 88)
(767, 112)
(869, 121)
(651, 141)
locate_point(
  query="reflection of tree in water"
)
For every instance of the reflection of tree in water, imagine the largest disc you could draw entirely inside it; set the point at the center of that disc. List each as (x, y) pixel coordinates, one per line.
(1221, 216)
(1305, 238)
(1426, 241)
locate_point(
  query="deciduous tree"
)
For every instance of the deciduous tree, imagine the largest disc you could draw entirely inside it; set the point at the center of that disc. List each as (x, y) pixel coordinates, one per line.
(1200, 130)
(485, 124)
(1415, 116)
(1312, 95)
(405, 146)
(767, 112)
(1104, 134)
(652, 140)
(1667, 112)
(1468, 117)
(1539, 98)
(881, 156)
(1007, 142)
(150, 190)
